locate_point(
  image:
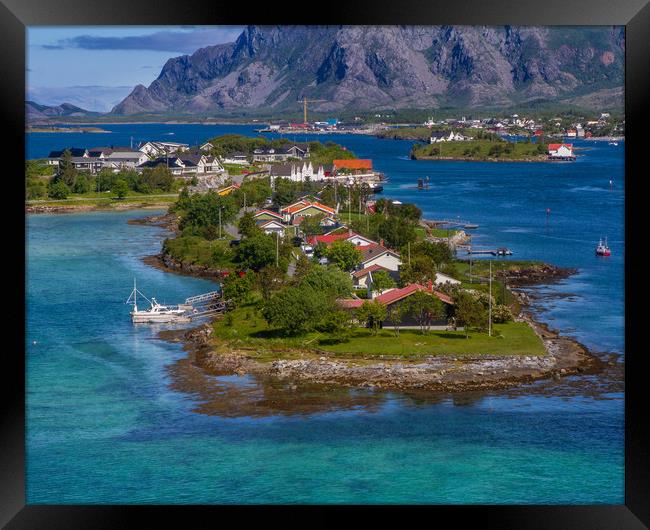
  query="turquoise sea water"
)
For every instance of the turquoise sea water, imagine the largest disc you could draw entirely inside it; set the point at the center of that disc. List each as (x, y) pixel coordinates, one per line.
(116, 416)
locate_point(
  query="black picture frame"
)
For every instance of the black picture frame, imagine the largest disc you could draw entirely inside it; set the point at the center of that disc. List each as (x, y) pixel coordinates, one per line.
(15, 15)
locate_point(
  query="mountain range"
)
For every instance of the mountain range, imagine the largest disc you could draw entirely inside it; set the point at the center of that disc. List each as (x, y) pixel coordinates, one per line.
(270, 68)
(37, 113)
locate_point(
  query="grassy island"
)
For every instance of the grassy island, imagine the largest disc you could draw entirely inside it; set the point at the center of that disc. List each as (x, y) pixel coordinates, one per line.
(481, 150)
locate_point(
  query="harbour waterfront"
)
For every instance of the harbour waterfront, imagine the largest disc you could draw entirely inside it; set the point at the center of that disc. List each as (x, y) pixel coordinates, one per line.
(107, 422)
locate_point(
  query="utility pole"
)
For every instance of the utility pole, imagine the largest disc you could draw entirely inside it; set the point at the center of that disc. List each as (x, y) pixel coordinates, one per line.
(277, 249)
(244, 201)
(349, 206)
(490, 304)
(409, 247)
(219, 222)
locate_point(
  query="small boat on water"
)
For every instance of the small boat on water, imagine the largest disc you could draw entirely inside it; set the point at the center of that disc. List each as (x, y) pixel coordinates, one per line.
(157, 312)
(613, 143)
(602, 249)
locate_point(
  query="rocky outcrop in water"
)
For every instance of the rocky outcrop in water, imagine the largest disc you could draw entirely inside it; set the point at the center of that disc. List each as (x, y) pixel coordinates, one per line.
(374, 67)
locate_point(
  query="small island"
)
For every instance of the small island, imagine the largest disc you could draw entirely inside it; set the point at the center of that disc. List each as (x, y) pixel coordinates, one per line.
(492, 150)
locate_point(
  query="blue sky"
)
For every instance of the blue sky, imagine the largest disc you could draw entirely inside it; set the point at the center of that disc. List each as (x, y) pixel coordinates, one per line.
(99, 65)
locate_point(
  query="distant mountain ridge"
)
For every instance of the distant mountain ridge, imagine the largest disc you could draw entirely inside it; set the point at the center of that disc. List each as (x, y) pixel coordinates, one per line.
(44, 113)
(377, 67)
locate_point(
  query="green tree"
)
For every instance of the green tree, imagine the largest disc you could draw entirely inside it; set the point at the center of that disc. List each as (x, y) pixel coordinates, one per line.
(396, 232)
(395, 315)
(237, 288)
(310, 226)
(425, 308)
(207, 209)
(381, 281)
(344, 255)
(67, 172)
(296, 309)
(121, 188)
(256, 252)
(331, 281)
(82, 184)
(247, 225)
(57, 189)
(469, 312)
(373, 313)
(421, 269)
(337, 324)
(303, 266)
(270, 279)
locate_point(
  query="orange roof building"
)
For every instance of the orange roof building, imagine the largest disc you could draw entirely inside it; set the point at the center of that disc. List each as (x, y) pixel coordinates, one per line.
(353, 164)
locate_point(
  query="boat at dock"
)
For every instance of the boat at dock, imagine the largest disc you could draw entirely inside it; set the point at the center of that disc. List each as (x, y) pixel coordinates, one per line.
(156, 313)
(602, 249)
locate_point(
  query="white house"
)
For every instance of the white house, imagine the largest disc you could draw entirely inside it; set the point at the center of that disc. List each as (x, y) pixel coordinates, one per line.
(297, 172)
(125, 159)
(379, 255)
(359, 241)
(236, 158)
(442, 279)
(156, 149)
(561, 151)
(441, 136)
(272, 227)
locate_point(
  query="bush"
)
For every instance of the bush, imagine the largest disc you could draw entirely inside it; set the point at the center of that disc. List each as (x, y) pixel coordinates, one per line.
(58, 190)
(501, 314)
(296, 309)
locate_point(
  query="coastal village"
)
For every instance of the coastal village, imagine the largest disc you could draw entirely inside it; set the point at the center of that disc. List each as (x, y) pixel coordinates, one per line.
(310, 258)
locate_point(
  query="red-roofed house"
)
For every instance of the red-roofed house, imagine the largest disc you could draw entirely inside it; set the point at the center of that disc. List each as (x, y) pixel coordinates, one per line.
(561, 151)
(266, 215)
(394, 297)
(356, 239)
(306, 208)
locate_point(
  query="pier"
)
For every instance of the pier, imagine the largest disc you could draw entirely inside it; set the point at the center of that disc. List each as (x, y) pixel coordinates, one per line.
(449, 223)
(206, 304)
(500, 251)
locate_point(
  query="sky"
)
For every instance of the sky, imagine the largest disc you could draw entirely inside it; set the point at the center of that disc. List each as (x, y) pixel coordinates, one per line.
(95, 67)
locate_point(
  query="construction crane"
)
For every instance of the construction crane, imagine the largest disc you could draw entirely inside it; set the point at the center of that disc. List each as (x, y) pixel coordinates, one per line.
(304, 106)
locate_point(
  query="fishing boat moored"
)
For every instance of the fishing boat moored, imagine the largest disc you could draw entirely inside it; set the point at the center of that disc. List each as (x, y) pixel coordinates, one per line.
(602, 249)
(157, 313)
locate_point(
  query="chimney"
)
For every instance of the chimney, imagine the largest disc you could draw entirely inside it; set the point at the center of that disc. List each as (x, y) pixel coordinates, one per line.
(381, 242)
(350, 232)
(430, 286)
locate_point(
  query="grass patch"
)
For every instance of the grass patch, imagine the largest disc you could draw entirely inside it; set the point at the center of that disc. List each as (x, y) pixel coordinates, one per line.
(248, 329)
(199, 251)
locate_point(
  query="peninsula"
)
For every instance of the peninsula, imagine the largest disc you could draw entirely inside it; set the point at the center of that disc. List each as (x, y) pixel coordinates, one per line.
(339, 304)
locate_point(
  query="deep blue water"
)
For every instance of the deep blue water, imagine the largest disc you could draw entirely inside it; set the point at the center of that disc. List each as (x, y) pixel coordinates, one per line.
(112, 412)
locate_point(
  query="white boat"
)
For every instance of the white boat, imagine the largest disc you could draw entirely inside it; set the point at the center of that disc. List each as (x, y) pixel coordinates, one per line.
(156, 312)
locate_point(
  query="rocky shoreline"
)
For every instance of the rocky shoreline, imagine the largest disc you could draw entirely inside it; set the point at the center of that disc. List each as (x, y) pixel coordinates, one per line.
(78, 208)
(435, 373)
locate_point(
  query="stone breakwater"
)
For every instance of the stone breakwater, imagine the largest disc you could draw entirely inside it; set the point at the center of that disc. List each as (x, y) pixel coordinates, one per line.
(436, 373)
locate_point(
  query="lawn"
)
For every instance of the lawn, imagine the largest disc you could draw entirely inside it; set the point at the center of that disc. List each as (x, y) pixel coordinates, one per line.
(247, 328)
